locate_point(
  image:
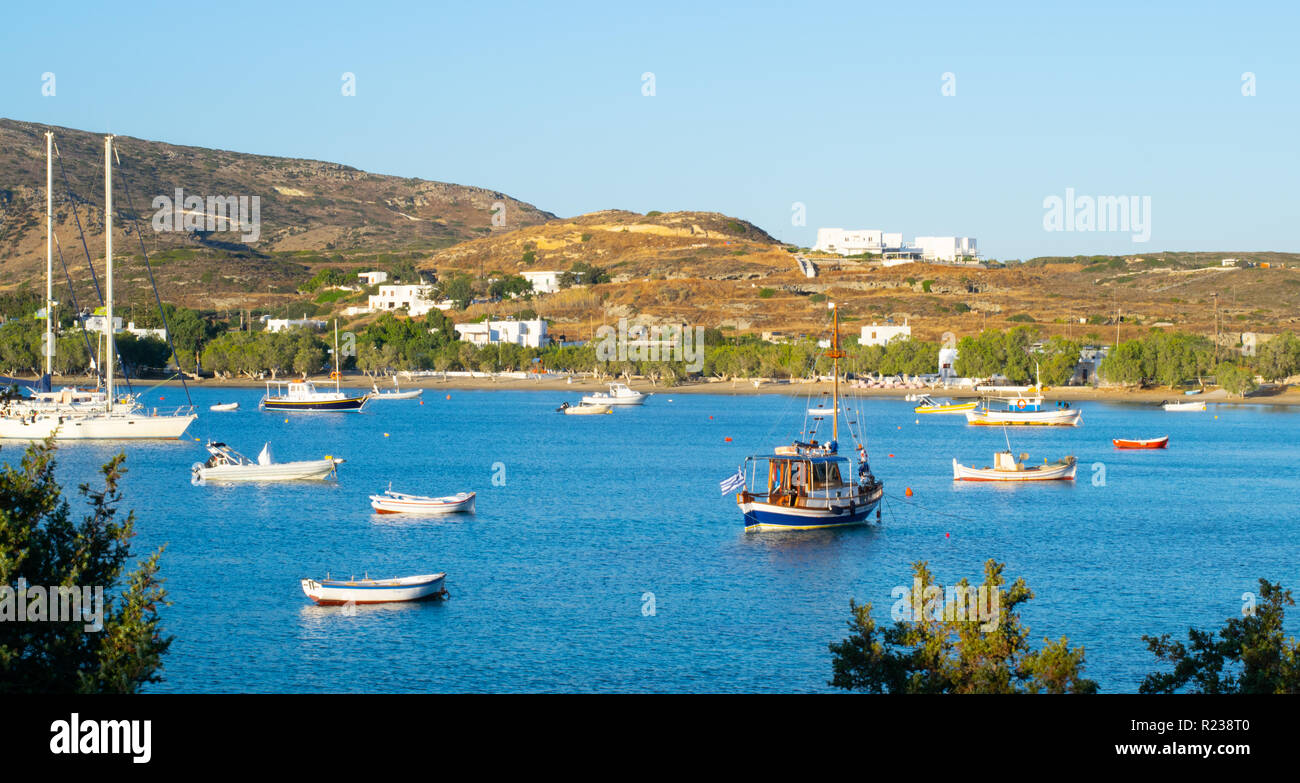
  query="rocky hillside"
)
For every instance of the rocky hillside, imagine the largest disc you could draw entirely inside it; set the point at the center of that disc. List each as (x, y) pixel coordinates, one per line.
(307, 209)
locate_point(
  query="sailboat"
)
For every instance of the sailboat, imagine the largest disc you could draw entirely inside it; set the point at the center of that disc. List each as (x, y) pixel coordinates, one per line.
(805, 486)
(91, 417)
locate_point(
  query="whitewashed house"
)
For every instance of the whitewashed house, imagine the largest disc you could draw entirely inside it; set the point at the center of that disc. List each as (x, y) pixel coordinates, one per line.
(879, 334)
(544, 282)
(530, 334)
(283, 324)
(373, 278)
(946, 248)
(412, 298)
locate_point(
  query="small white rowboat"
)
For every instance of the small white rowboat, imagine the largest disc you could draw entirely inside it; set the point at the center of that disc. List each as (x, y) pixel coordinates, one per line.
(334, 592)
(586, 410)
(224, 406)
(400, 503)
(1007, 468)
(1184, 406)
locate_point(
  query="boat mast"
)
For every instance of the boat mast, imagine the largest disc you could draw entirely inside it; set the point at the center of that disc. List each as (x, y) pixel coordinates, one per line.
(108, 245)
(338, 373)
(49, 253)
(835, 355)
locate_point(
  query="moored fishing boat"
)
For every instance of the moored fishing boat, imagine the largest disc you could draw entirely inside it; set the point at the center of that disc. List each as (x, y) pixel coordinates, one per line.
(226, 464)
(397, 394)
(335, 592)
(1183, 407)
(809, 485)
(619, 394)
(304, 396)
(391, 502)
(931, 405)
(1150, 443)
(1007, 468)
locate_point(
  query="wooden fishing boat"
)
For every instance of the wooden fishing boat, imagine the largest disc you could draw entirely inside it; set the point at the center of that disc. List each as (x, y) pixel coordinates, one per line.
(303, 396)
(809, 485)
(226, 464)
(931, 405)
(336, 592)
(391, 502)
(1151, 443)
(1007, 468)
(1184, 407)
(224, 406)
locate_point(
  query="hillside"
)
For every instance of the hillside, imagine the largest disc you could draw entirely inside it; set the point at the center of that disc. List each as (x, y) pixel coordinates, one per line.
(311, 212)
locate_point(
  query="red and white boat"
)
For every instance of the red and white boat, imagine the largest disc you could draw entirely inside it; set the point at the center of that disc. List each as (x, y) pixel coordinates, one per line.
(1152, 443)
(336, 592)
(400, 503)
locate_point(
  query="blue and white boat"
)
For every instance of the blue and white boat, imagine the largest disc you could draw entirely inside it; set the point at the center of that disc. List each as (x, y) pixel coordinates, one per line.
(806, 486)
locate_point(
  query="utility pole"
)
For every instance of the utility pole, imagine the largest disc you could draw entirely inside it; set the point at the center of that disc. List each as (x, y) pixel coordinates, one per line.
(1215, 296)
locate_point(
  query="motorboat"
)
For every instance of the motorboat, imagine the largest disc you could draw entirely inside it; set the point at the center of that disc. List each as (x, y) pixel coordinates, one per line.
(585, 409)
(226, 464)
(396, 394)
(931, 405)
(808, 485)
(1151, 443)
(1007, 468)
(224, 406)
(1184, 407)
(336, 592)
(619, 394)
(304, 396)
(391, 502)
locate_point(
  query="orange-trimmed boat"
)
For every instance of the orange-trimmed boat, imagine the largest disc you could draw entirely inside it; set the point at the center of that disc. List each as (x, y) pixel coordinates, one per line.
(1153, 443)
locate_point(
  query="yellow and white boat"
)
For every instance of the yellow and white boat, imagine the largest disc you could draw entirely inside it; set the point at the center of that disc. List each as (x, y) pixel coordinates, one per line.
(931, 405)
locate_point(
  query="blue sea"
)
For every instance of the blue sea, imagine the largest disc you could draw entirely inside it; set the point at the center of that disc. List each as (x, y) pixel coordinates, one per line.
(603, 557)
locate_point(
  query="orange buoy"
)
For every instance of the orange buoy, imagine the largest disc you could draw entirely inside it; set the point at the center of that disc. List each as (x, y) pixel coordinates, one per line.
(449, 396)
(891, 455)
(728, 440)
(908, 492)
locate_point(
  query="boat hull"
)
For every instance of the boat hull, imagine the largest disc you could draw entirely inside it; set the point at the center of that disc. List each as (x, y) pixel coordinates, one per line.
(1053, 472)
(1052, 418)
(224, 406)
(343, 405)
(307, 470)
(1153, 443)
(376, 591)
(91, 427)
(386, 504)
(961, 407)
(586, 409)
(1184, 407)
(602, 399)
(760, 516)
(389, 396)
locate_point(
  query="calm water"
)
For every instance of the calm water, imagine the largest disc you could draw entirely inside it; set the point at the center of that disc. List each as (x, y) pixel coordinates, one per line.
(548, 579)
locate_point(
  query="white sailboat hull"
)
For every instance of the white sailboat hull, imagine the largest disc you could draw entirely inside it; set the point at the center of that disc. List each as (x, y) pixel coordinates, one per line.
(100, 426)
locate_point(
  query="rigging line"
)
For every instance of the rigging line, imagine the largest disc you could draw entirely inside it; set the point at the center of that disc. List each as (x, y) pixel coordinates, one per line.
(167, 330)
(76, 215)
(931, 510)
(72, 295)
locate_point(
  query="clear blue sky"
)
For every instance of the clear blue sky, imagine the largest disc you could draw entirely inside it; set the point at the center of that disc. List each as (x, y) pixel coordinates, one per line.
(837, 106)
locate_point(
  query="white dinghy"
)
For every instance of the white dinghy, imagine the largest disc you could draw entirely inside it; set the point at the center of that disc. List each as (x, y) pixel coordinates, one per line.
(391, 502)
(335, 592)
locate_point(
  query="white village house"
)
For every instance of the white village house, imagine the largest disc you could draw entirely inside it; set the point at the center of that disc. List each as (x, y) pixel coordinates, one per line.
(412, 298)
(879, 334)
(892, 249)
(373, 278)
(284, 324)
(530, 334)
(544, 282)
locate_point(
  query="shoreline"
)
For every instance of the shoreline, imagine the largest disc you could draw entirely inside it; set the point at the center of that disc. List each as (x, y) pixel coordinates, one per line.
(1281, 396)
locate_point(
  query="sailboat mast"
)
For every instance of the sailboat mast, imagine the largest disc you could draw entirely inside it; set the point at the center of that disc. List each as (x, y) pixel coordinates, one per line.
(108, 249)
(49, 253)
(338, 372)
(835, 355)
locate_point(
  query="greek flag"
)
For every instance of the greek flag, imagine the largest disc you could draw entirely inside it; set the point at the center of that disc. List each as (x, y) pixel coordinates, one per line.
(733, 483)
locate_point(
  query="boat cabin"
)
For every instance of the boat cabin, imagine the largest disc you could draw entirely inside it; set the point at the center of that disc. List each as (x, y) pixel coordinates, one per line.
(791, 479)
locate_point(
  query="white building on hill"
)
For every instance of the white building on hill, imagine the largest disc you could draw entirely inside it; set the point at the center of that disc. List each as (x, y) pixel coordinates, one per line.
(412, 298)
(946, 248)
(547, 282)
(373, 278)
(284, 324)
(879, 334)
(852, 242)
(530, 334)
